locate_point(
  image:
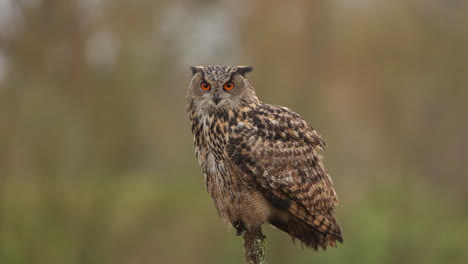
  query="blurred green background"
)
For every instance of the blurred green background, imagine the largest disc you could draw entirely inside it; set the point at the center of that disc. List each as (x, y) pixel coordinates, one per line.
(96, 157)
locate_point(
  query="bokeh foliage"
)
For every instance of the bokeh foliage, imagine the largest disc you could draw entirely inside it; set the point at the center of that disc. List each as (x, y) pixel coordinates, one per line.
(96, 157)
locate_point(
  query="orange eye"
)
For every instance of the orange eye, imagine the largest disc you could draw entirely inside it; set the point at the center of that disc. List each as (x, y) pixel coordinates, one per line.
(205, 86)
(228, 86)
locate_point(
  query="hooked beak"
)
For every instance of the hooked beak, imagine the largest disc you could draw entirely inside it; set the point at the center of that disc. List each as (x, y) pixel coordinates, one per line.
(216, 98)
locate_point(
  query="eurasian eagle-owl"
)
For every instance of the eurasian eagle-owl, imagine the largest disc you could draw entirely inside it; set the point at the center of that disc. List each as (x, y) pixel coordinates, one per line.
(260, 161)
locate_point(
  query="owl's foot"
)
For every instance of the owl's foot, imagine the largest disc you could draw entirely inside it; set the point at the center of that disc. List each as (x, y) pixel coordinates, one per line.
(240, 228)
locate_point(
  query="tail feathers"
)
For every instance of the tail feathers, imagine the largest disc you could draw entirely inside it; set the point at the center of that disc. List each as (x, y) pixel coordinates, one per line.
(319, 223)
(311, 228)
(308, 235)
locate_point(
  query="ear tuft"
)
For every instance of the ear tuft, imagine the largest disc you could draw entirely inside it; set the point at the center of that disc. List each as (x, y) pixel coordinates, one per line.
(196, 69)
(242, 70)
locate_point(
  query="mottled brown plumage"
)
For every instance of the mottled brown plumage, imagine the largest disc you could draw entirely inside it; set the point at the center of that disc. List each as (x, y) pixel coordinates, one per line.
(260, 161)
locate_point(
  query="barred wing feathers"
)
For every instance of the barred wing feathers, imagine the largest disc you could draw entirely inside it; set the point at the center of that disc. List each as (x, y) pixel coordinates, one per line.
(275, 151)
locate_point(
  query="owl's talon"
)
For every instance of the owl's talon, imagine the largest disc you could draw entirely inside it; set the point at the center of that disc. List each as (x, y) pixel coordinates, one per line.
(239, 226)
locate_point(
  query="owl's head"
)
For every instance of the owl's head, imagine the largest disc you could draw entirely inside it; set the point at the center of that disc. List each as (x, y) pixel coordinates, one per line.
(220, 87)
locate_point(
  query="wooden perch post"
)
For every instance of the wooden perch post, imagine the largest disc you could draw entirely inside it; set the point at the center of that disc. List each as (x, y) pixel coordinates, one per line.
(254, 247)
